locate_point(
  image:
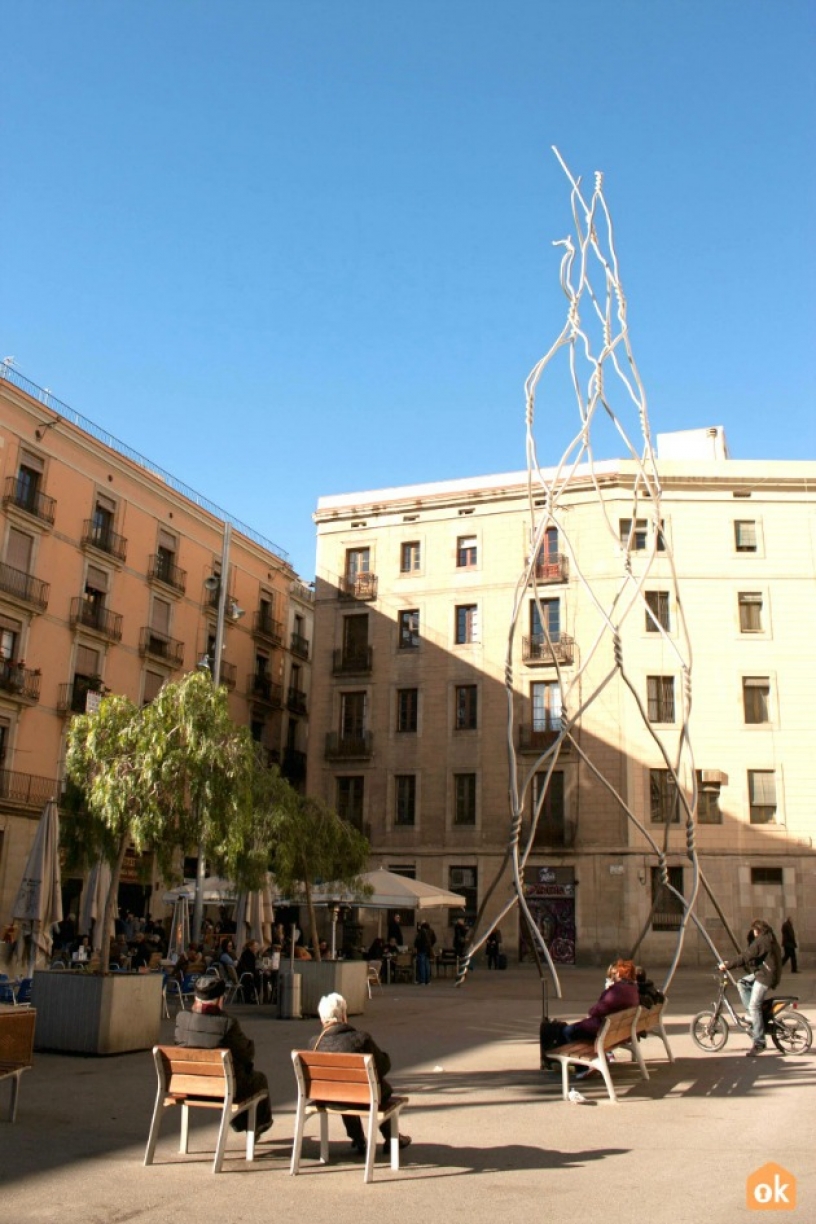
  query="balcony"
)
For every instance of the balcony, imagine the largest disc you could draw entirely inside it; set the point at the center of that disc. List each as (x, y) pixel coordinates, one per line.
(93, 616)
(538, 650)
(358, 586)
(19, 681)
(551, 567)
(261, 689)
(356, 662)
(72, 698)
(300, 646)
(296, 701)
(155, 645)
(533, 739)
(555, 833)
(27, 790)
(293, 767)
(159, 569)
(23, 587)
(229, 675)
(341, 746)
(267, 629)
(103, 540)
(22, 496)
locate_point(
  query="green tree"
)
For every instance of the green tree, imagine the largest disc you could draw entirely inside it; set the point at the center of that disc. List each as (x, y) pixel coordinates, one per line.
(313, 845)
(173, 774)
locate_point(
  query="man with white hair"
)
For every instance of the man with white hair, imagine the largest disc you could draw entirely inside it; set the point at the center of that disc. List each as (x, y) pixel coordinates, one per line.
(337, 1036)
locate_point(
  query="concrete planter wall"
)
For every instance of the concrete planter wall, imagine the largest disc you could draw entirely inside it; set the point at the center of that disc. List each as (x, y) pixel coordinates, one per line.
(319, 978)
(85, 1013)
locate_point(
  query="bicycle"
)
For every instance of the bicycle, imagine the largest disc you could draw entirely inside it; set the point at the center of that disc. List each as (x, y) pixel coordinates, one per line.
(790, 1032)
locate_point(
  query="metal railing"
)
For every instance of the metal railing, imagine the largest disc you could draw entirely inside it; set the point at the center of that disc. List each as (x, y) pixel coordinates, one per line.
(264, 626)
(358, 586)
(353, 662)
(261, 688)
(24, 586)
(340, 746)
(535, 739)
(27, 789)
(19, 680)
(296, 700)
(72, 698)
(300, 645)
(20, 494)
(61, 409)
(104, 539)
(92, 616)
(161, 570)
(552, 567)
(160, 646)
(538, 648)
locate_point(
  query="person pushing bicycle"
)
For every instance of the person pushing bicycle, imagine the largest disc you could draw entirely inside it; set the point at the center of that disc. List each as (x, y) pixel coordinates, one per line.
(763, 960)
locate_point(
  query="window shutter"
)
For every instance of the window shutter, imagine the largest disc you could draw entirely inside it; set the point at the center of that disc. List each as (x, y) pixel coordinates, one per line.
(19, 550)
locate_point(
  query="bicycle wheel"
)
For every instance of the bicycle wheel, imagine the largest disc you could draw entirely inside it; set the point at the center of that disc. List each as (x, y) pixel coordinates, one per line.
(709, 1031)
(791, 1033)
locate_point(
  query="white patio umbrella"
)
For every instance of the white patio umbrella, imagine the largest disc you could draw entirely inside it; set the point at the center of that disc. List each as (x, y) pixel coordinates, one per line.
(94, 896)
(391, 891)
(38, 906)
(215, 892)
(254, 915)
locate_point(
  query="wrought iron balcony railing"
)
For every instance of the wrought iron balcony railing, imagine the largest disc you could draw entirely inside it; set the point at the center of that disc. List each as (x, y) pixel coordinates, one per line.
(353, 662)
(19, 680)
(92, 616)
(155, 645)
(261, 688)
(358, 586)
(555, 831)
(25, 587)
(159, 569)
(300, 646)
(19, 493)
(552, 567)
(28, 790)
(538, 739)
(263, 626)
(558, 648)
(229, 674)
(104, 539)
(296, 700)
(342, 746)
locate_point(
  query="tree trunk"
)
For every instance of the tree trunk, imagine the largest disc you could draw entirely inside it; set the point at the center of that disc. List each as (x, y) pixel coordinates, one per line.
(113, 895)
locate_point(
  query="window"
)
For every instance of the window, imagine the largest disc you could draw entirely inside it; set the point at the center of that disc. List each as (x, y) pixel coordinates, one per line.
(152, 683)
(352, 715)
(549, 615)
(664, 804)
(708, 802)
(9, 637)
(410, 557)
(762, 796)
(668, 908)
(464, 799)
(660, 693)
(750, 611)
(548, 549)
(5, 731)
(467, 624)
(166, 556)
(96, 589)
(745, 535)
(467, 696)
(634, 534)
(766, 875)
(102, 522)
(160, 616)
(465, 882)
(408, 625)
(407, 708)
(358, 561)
(350, 793)
(355, 639)
(756, 693)
(551, 827)
(466, 552)
(657, 616)
(405, 799)
(29, 480)
(546, 701)
(87, 665)
(19, 550)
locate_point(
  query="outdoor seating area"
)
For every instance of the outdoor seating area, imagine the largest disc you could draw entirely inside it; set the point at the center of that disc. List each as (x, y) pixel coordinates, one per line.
(16, 1048)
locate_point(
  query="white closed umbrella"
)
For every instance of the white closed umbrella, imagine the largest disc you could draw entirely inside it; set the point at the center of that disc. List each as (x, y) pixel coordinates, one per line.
(254, 916)
(94, 897)
(38, 905)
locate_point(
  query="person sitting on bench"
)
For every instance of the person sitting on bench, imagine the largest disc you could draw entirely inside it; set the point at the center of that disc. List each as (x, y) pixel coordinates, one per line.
(621, 994)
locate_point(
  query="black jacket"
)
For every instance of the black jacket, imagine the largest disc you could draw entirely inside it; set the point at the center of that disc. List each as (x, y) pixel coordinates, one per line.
(763, 958)
(211, 1031)
(345, 1039)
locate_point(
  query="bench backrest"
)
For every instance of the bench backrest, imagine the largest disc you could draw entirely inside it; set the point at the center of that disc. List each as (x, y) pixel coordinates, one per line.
(186, 1072)
(17, 1034)
(618, 1026)
(649, 1017)
(326, 1078)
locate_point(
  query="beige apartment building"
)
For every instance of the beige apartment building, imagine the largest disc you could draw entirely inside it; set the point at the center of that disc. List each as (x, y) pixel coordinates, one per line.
(415, 591)
(110, 580)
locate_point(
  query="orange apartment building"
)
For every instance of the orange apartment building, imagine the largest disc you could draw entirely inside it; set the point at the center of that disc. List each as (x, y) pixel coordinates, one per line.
(415, 589)
(109, 580)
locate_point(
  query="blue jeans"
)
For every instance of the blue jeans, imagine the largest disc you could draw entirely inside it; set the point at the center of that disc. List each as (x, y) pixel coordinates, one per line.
(752, 993)
(423, 968)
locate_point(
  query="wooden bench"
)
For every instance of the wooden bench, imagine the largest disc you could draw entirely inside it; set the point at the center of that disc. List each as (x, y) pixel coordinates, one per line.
(200, 1079)
(342, 1084)
(621, 1030)
(16, 1048)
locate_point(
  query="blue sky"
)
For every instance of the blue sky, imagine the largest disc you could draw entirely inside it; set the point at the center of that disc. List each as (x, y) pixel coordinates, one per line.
(301, 247)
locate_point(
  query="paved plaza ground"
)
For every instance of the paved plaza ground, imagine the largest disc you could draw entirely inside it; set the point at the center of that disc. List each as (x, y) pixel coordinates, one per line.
(492, 1138)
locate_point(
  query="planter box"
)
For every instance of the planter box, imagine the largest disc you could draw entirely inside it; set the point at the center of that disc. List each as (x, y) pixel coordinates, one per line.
(85, 1013)
(318, 978)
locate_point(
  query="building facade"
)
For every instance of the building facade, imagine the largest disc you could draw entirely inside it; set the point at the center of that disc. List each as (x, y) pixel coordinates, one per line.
(414, 598)
(110, 580)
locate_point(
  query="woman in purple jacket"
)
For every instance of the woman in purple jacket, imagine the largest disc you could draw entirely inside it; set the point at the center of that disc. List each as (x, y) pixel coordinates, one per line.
(622, 993)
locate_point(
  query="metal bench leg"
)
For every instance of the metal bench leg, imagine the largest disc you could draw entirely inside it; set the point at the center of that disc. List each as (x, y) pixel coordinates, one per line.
(15, 1091)
(324, 1136)
(221, 1146)
(297, 1142)
(602, 1065)
(252, 1115)
(158, 1111)
(371, 1150)
(185, 1127)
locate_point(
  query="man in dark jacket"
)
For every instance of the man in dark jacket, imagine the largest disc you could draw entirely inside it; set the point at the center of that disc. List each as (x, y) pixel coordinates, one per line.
(763, 960)
(208, 1027)
(337, 1036)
